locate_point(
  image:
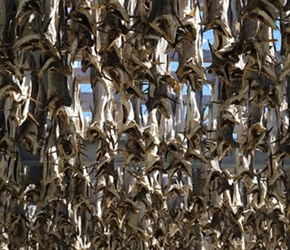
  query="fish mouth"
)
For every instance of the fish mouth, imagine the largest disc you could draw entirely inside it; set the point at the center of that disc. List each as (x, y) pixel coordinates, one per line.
(30, 144)
(95, 132)
(67, 148)
(56, 103)
(166, 27)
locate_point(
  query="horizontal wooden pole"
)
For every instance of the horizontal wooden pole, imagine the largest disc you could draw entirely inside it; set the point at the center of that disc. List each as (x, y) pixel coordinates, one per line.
(84, 77)
(207, 58)
(89, 158)
(88, 104)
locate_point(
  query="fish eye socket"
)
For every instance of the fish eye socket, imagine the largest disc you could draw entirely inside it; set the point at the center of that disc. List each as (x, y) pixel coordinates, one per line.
(256, 133)
(150, 43)
(163, 22)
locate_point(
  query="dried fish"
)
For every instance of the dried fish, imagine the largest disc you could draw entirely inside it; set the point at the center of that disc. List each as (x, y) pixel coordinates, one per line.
(216, 17)
(161, 19)
(158, 175)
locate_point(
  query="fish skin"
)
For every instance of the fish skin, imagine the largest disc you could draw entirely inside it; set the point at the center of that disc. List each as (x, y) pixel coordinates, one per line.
(161, 19)
(216, 17)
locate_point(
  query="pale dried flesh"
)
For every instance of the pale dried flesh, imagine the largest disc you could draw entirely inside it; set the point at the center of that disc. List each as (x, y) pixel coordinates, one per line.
(174, 187)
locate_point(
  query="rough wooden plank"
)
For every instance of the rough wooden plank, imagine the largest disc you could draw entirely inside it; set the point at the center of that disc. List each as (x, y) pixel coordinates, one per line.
(260, 158)
(87, 100)
(84, 77)
(207, 58)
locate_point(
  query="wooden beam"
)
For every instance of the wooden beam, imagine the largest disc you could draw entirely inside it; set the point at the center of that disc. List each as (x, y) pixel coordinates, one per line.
(84, 77)
(260, 159)
(88, 103)
(207, 58)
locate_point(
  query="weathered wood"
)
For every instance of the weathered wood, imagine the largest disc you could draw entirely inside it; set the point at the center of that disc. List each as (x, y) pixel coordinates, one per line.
(89, 158)
(207, 58)
(87, 101)
(84, 77)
